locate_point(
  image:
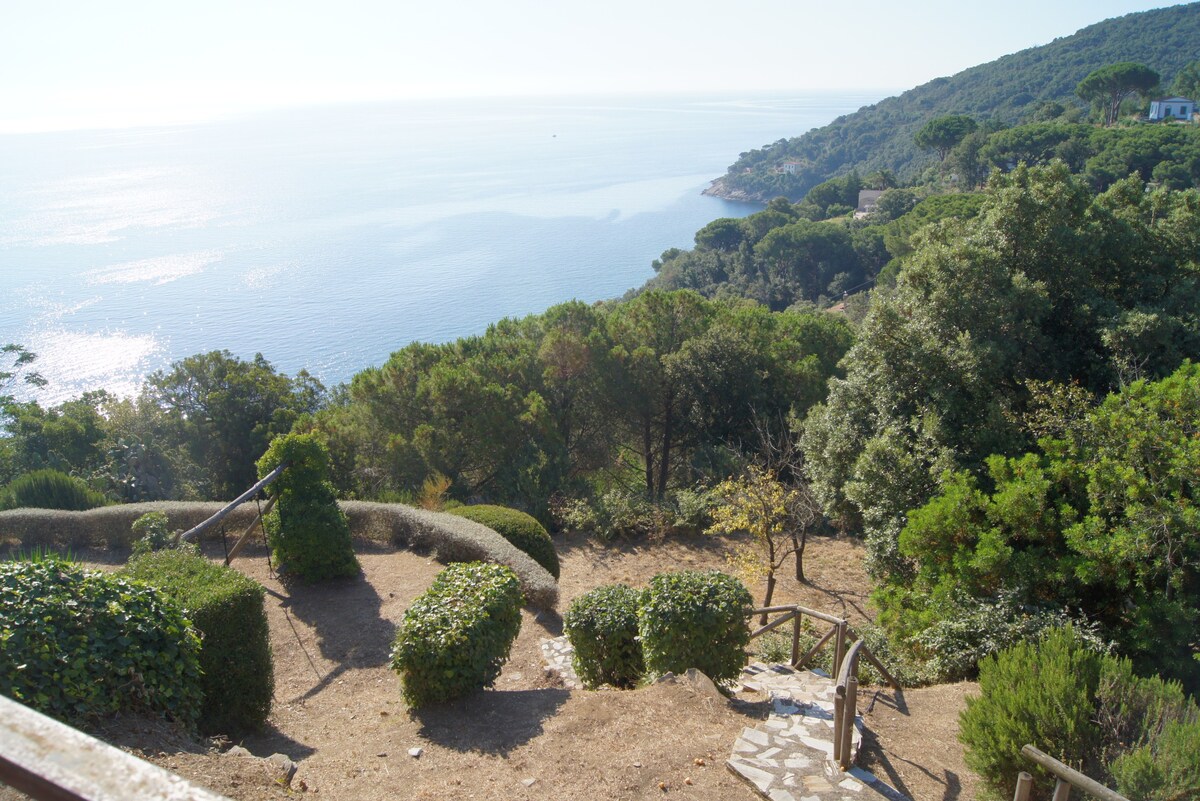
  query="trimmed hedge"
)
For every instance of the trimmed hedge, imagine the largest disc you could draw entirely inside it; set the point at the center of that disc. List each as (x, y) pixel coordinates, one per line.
(520, 529)
(50, 489)
(308, 533)
(235, 652)
(602, 626)
(455, 637)
(453, 539)
(695, 619)
(76, 644)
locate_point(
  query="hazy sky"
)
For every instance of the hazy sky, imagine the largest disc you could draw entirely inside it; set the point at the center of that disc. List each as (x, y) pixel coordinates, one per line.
(67, 63)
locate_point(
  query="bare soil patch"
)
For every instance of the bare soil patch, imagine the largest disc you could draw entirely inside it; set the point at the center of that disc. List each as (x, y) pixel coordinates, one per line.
(338, 712)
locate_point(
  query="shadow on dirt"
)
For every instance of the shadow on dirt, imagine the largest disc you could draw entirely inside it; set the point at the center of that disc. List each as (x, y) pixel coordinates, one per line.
(345, 616)
(490, 722)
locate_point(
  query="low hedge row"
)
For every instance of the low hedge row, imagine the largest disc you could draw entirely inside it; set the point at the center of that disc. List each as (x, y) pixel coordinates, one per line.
(455, 637)
(235, 653)
(76, 644)
(520, 529)
(452, 539)
(687, 619)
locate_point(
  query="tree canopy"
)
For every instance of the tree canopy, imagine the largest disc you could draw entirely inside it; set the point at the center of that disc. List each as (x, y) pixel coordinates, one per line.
(1109, 86)
(941, 134)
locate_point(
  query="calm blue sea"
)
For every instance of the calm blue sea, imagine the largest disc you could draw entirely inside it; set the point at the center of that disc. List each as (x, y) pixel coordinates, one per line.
(329, 237)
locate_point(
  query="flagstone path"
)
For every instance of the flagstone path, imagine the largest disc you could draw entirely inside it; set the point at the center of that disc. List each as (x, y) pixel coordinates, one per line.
(789, 756)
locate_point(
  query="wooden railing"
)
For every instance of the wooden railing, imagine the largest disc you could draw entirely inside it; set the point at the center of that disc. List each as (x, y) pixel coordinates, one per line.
(848, 647)
(50, 761)
(1066, 778)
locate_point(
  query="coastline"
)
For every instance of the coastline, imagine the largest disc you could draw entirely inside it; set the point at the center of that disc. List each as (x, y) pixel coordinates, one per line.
(718, 189)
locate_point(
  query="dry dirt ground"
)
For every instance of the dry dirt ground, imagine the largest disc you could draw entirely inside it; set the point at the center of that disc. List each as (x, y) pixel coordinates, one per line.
(338, 712)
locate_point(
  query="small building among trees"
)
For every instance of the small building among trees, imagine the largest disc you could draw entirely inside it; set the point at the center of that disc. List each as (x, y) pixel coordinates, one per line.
(1172, 108)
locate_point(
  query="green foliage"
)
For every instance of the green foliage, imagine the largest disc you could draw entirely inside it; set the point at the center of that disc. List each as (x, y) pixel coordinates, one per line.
(602, 626)
(695, 619)
(1047, 282)
(151, 532)
(1089, 711)
(1187, 82)
(77, 644)
(942, 134)
(1041, 693)
(226, 608)
(223, 412)
(1008, 90)
(455, 637)
(50, 489)
(1108, 86)
(308, 533)
(518, 528)
(1096, 523)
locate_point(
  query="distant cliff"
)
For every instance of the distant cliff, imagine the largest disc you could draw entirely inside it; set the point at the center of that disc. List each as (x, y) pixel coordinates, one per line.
(1007, 90)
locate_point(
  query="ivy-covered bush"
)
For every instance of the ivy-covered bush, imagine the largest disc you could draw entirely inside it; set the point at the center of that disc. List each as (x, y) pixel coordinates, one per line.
(50, 489)
(455, 637)
(235, 653)
(1087, 709)
(151, 532)
(602, 626)
(307, 531)
(76, 644)
(520, 529)
(695, 619)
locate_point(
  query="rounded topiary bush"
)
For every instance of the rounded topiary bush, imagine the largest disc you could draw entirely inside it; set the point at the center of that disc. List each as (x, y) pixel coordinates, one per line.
(455, 637)
(602, 626)
(50, 489)
(226, 608)
(520, 529)
(76, 644)
(308, 533)
(695, 619)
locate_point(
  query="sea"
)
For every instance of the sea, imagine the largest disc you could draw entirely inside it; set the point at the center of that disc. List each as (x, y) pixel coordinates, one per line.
(326, 238)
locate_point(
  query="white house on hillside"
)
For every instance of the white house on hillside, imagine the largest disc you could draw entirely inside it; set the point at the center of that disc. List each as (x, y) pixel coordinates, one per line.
(1172, 108)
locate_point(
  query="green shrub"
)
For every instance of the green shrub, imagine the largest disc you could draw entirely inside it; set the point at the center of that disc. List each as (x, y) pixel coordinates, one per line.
(518, 528)
(151, 532)
(235, 653)
(602, 626)
(1039, 692)
(76, 644)
(455, 637)
(308, 533)
(1086, 709)
(695, 619)
(50, 489)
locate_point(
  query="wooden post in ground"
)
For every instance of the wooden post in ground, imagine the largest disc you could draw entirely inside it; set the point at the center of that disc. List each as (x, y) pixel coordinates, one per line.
(849, 713)
(839, 648)
(1024, 787)
(1062, 790)
(839, 706)
(796, 638)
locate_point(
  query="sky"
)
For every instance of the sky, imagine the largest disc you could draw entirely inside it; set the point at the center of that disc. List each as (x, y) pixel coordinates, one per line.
(103, 63)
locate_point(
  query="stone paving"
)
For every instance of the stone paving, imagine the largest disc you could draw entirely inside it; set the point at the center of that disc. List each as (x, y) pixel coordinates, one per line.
(789, 756)
(557, 653)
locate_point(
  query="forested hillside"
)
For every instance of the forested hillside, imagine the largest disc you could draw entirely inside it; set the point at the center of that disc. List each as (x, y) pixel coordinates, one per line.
(1007, 91)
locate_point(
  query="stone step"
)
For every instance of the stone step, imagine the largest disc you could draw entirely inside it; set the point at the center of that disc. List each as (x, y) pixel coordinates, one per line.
(789, 756)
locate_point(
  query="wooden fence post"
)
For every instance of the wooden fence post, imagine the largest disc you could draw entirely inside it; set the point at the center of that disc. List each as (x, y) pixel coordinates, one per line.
(796, 639)
(1024, 787)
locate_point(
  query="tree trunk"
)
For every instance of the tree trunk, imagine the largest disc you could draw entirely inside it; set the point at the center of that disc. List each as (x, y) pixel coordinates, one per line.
(762, 621)
(665, 451)
(798, 542)
(648, 449)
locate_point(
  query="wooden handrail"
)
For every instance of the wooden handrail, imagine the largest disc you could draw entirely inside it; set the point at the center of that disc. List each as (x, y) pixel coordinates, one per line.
(195, 531)
(1067, 778)
(50, 761)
